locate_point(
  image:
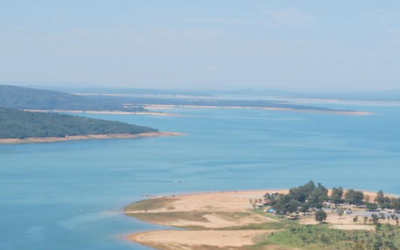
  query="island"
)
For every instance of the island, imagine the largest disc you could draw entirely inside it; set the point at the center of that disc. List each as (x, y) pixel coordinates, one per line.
(306, 217)
(21, 127)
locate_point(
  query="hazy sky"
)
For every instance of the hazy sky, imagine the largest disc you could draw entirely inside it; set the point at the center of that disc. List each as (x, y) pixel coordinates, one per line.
(202, 44)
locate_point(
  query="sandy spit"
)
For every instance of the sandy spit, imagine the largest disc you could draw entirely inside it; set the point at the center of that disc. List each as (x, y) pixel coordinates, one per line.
(173, 239)
(357, 113)
(86, 137)
(209, 204)
(104, 112)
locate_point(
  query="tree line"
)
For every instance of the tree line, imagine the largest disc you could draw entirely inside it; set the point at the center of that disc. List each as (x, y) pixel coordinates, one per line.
(28, 98)
(20, 125)
(311, 196)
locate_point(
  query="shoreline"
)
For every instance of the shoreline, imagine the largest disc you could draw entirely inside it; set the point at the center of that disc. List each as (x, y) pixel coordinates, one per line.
(103, 112)
(207, 217)
(86, 137)
(337, 112)
(214, 219)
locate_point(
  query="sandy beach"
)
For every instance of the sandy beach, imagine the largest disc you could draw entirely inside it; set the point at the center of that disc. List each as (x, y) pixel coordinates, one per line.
(198, 240)
(205, 214)
(216, 220)
(163, 107)
(86, 137)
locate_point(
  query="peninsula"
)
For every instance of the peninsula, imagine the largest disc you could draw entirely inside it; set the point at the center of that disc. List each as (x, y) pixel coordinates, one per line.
(306, 217)
(16, 97)
(23, 127)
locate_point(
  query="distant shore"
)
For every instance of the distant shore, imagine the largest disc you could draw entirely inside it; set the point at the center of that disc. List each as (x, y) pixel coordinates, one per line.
(103, 112)
(86, 137)
(337, 112)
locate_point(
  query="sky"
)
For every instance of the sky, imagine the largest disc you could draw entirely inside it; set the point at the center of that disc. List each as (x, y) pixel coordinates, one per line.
(202, 44)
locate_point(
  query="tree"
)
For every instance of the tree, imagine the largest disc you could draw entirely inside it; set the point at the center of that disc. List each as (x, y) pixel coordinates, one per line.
(371, 206)
(336, 196)
(354, 197)
(281, 204)
(293, 206)
(380, 197)
(340, 213)
(395, 202)
(320, 215)
(375, 218)
(303, 192)
(355, 219)
(365, 219)
(318, 196)
(304, 208)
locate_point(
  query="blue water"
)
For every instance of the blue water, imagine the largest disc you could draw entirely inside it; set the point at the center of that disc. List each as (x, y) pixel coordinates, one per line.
(69, 195)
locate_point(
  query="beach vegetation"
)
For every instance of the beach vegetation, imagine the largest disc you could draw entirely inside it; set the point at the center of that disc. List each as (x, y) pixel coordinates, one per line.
(322, 237)
(150, 204)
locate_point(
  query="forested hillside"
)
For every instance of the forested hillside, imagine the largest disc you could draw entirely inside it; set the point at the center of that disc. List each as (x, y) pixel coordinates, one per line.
(28, 98)
(21, 125)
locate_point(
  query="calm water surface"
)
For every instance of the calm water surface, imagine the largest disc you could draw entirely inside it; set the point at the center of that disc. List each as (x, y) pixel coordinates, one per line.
(69, 195)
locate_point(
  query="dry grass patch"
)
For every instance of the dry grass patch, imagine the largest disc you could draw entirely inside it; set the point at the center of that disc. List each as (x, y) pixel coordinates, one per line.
(193, 240)
(152, 204)
(170, 217)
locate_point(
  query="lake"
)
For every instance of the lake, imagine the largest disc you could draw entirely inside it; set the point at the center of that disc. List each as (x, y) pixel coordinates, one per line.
(70, 195)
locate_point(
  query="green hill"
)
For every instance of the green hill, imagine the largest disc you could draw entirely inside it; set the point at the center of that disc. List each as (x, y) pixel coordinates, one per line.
(29, 98)
(20, 125)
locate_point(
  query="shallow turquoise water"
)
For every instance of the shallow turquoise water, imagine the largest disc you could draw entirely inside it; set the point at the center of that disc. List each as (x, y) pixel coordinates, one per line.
(69, 195)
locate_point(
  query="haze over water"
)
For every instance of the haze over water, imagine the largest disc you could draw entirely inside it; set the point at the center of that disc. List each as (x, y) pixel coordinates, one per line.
(70, 195)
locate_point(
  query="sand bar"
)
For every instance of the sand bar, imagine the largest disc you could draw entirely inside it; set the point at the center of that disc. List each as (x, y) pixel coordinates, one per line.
(356, 113)
(172, 239)
(104, 112)
(211, 212)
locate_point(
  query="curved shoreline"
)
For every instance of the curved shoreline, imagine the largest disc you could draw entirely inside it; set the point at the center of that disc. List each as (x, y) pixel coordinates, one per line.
(225, 219)
(86, 137)
(211, 218)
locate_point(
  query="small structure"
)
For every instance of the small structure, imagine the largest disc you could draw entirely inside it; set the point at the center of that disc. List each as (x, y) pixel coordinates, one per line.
(348, 211)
